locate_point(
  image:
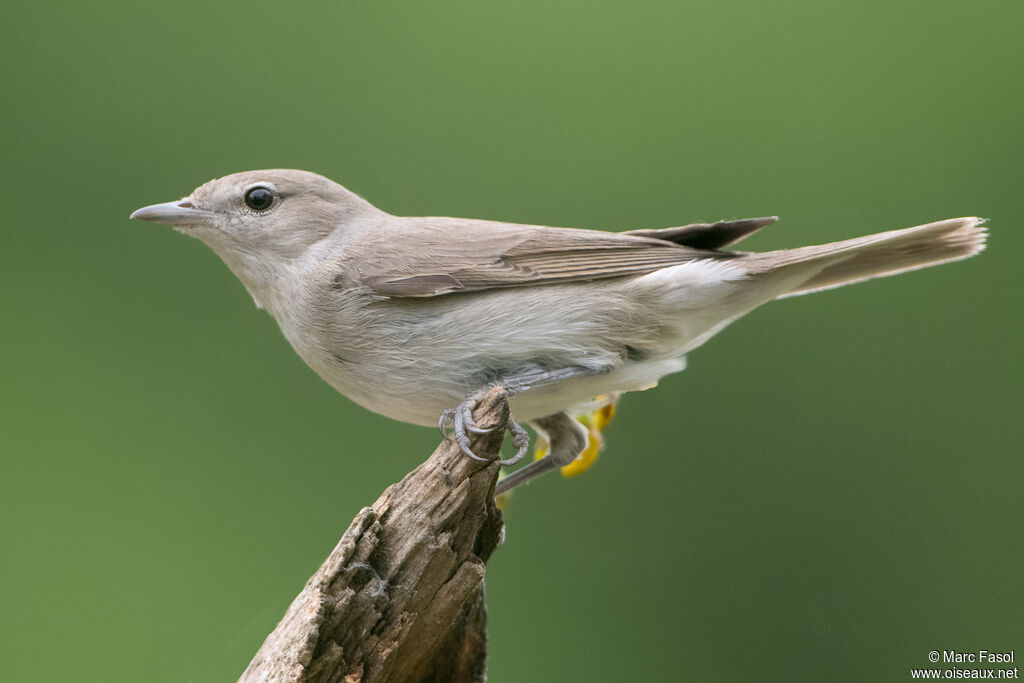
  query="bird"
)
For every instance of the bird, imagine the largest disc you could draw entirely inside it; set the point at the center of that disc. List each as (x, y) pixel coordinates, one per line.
(414, 317)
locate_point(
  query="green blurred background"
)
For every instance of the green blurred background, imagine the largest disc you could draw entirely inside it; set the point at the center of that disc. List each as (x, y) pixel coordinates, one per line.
(830, 491)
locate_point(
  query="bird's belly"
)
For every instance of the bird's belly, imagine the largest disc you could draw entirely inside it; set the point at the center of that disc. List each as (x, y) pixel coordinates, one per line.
(418, 392)
(419, 400)
(401, 393)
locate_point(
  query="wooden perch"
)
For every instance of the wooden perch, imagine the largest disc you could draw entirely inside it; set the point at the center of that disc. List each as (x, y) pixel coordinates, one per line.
(401, 597)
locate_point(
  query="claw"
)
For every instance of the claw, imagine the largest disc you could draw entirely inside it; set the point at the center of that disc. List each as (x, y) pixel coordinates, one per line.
(520, 439)
(447, 416)
(461, 421)
(466, 408)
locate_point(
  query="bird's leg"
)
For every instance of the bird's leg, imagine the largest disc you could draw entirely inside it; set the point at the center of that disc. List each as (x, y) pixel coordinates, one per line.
(566, 438)
(461, 420)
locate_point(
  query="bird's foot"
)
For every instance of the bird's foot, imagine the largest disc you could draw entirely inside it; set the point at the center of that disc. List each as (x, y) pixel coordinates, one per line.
(595, 421)
(460, 419)
(568, 443)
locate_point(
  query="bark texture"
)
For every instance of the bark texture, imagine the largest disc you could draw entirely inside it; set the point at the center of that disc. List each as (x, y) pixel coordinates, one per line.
(401, 597)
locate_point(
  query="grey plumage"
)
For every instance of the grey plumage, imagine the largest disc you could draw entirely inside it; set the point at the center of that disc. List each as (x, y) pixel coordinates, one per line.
(409, 316)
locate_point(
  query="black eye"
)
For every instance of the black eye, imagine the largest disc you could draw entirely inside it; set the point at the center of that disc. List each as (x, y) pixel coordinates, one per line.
(259, 199)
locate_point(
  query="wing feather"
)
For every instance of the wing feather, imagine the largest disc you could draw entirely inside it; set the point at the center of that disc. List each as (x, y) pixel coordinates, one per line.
(708, 235)
(454, 255)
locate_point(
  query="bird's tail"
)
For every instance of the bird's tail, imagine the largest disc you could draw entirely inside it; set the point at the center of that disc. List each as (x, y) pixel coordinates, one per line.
(862, 258)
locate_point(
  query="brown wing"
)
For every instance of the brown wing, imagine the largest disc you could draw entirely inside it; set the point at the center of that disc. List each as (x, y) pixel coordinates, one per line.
(445, 255)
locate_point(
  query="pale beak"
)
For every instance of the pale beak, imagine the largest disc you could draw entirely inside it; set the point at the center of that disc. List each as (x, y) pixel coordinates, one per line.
(176, 213)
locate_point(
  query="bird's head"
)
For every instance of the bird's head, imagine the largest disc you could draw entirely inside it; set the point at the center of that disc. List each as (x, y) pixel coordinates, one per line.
(279, 212)
(261, 222)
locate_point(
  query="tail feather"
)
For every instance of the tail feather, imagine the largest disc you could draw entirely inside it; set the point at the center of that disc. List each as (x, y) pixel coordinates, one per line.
(887, 253)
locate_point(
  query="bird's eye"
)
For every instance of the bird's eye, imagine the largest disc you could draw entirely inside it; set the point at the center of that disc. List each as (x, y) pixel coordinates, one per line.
(259, 198)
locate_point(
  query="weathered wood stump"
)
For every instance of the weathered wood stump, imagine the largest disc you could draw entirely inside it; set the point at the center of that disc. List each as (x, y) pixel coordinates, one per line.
(401, 597)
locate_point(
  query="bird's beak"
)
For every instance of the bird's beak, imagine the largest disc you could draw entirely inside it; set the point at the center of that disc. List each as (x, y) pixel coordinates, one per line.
(173, 213)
